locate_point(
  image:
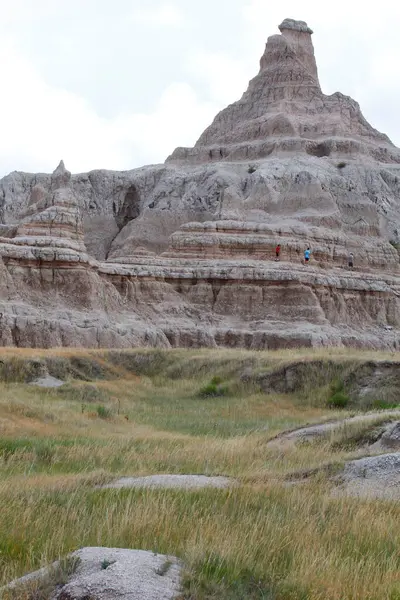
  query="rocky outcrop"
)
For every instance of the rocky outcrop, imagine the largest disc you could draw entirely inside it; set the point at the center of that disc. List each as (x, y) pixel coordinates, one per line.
(183, 253)
(105, 574)
(372, 477)
(52, 293)
(284, 111)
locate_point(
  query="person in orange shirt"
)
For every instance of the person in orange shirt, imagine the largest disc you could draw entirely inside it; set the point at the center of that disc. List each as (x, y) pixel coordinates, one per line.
(278, 252)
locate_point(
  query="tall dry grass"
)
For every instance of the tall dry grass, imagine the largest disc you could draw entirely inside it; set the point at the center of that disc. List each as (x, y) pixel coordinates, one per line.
(264, 538)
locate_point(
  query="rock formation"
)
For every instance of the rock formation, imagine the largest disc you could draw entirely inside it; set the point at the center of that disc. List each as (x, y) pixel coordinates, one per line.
(106, 574)
(284, 111)
(182, 253)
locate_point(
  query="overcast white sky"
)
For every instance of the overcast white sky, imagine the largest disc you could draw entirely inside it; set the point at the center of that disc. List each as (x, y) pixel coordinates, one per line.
(119, 84)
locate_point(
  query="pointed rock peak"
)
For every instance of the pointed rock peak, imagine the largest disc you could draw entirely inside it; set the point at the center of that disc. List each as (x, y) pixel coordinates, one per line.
(292, 52)
(293, 25)
(285, 111)
(60, 177)
(61, 168)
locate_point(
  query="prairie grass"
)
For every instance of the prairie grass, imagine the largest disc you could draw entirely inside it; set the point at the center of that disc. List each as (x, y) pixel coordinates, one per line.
(264, 538)
(361, 433)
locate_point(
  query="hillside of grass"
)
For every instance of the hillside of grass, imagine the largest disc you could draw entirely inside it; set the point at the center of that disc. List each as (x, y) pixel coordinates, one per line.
(209, 412)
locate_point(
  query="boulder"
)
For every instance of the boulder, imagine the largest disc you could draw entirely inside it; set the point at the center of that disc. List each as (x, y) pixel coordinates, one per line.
(110, 574)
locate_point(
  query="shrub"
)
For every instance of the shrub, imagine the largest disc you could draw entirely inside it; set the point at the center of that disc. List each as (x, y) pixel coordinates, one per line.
(338, 400)
(103, 412)
(341, 165)
(214, 388)
(252, 169)
(338, 397)
(396, 245)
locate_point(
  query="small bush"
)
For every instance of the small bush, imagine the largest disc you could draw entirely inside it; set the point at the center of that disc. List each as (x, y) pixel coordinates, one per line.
(341, 165)
(103, 412)
(338, 400)
(214, 388)
(252, 169)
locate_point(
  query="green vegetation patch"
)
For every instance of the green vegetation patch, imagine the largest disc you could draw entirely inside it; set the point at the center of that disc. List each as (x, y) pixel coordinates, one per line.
(279, 534)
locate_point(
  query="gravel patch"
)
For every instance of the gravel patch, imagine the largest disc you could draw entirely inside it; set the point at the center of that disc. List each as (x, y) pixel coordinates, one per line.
(48, 382)
(111, 574)
(171, 481)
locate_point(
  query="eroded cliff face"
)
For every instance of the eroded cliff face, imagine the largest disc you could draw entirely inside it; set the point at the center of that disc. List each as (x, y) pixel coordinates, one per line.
(183, 253)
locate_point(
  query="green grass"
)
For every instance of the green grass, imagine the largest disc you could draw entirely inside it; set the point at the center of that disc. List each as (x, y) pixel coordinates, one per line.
(357, 434)
(265, 538)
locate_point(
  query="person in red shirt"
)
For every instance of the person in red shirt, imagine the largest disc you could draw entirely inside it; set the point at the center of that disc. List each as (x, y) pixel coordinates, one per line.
(278, 252)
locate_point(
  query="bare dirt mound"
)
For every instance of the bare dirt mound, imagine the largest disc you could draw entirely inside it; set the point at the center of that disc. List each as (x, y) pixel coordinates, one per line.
(108, 574)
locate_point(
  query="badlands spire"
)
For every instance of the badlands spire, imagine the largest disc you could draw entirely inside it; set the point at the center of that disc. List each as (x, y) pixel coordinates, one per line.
(284, 110)
(182, 254)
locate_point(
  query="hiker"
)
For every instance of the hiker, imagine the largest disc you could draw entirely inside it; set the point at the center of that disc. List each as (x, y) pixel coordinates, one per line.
(278, 252)
(307, 254)
(351, 260)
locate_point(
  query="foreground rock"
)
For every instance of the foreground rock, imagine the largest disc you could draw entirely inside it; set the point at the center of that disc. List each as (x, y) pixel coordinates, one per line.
(186, 482)
(110, 574)
(372, 477)
(48, 382)
(182, 254)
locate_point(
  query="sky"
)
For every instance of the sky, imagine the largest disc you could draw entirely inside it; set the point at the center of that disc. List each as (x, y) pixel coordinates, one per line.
(119, 84)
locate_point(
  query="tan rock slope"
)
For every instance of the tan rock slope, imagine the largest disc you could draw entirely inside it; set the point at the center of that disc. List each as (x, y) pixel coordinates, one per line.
(183, 253)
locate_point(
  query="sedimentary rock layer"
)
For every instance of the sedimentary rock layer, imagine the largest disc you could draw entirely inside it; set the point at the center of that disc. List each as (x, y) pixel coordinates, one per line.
(183, 254)
(285, 111)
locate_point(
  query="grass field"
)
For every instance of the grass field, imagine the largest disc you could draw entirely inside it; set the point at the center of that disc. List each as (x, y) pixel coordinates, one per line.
(189, 412)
